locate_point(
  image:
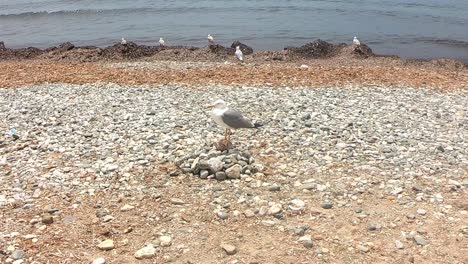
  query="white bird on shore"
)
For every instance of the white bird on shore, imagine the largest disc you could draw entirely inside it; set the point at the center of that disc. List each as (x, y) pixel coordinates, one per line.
(210, 39)
(229, 118)
(123, 42)
(239, 54)
(356, 41)
(162, 42)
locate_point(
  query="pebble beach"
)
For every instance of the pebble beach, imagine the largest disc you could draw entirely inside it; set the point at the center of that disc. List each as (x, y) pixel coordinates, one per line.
(359, 160)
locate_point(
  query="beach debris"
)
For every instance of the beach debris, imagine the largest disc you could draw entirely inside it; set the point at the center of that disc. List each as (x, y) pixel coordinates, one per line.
(304, 67)
(356, 41)
(162, 43)
(123, 42)
(210, 39)
(13, 134)
(239, 54)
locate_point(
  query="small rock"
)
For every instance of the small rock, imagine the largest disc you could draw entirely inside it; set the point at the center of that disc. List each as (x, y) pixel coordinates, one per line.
(306, 241)
(275, 209)
(220, 176)
(274, 188)
(146, 252)
(107, 218)
(222, 215)
(234, 172)
(297, 205)
(47, 219)
(363, 248)
(249, 213)
(126, 208)
(399, 244)
(99, 261)
(420, 240)
(215, 165)
(327, 205)
(204, 174)
(421, 211)
(166, 241)
(17, 254)
(229, 249)
(177, 201)
(304, 67)
(106, 244)
(102, 212)
(373, 227)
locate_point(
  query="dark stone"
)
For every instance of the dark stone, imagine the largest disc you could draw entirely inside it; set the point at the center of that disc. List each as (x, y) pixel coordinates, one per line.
(2, 45)
(65, 47)
(363, 50)
(316, 49)
(246, 50)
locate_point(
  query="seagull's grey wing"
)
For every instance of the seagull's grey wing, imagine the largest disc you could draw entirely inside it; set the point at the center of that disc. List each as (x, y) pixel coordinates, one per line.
(234, 119)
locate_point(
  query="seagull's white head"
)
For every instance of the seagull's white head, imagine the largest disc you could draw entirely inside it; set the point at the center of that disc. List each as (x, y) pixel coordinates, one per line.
(237, 47)
(209, 36)
(355, 38)
(218, 104)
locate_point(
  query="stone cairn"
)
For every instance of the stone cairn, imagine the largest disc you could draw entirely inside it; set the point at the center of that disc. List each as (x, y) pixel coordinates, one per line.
(220, 165)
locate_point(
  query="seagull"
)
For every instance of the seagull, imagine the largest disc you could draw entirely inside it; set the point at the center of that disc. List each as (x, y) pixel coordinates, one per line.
(239, 54)
(229, 118)
(210, 39)
(123, 42)
(162, 42)
(356, 41)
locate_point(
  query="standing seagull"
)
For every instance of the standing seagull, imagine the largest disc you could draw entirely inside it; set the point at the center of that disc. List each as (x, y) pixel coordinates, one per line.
(239, 54)
(162, 43)
(123, 42)
(210, 39)
(229, 118)
(356, 41)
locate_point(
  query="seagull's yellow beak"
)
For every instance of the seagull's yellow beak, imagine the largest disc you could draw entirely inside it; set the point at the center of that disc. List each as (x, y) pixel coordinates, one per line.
(209, 106)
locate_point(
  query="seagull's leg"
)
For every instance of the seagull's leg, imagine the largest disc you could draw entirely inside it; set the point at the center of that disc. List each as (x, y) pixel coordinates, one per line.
(229, 135)
(226, 133)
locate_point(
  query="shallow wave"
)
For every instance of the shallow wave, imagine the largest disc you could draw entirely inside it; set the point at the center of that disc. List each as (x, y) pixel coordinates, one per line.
(79, 11)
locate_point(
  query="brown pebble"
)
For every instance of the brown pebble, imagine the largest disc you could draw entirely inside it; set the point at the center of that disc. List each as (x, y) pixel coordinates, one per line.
(47, 219)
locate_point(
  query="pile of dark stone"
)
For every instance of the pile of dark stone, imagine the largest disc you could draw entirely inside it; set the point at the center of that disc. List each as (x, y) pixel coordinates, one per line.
(221, 50)
(220, 165)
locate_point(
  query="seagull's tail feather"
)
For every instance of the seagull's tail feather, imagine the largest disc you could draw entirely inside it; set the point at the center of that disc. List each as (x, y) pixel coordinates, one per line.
(257, 125)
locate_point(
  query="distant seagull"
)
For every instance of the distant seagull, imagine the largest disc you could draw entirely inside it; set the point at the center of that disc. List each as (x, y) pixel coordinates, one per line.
(123, 42)
(356, 41)
(210, 39)
(162, 43)
(13, 134)
(229, 118)
(239, 54)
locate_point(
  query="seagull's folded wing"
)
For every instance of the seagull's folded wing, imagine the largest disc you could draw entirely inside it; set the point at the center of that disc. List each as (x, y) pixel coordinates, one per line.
(234, 119)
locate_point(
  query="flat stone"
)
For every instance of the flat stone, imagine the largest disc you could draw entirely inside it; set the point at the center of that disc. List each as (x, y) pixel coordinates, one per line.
(126, 208)
(420, 240)
(177, 201)
(215, 165)
(146, 252)
(421, 211)
(229, 249)
(106, 244)
(107, 218)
